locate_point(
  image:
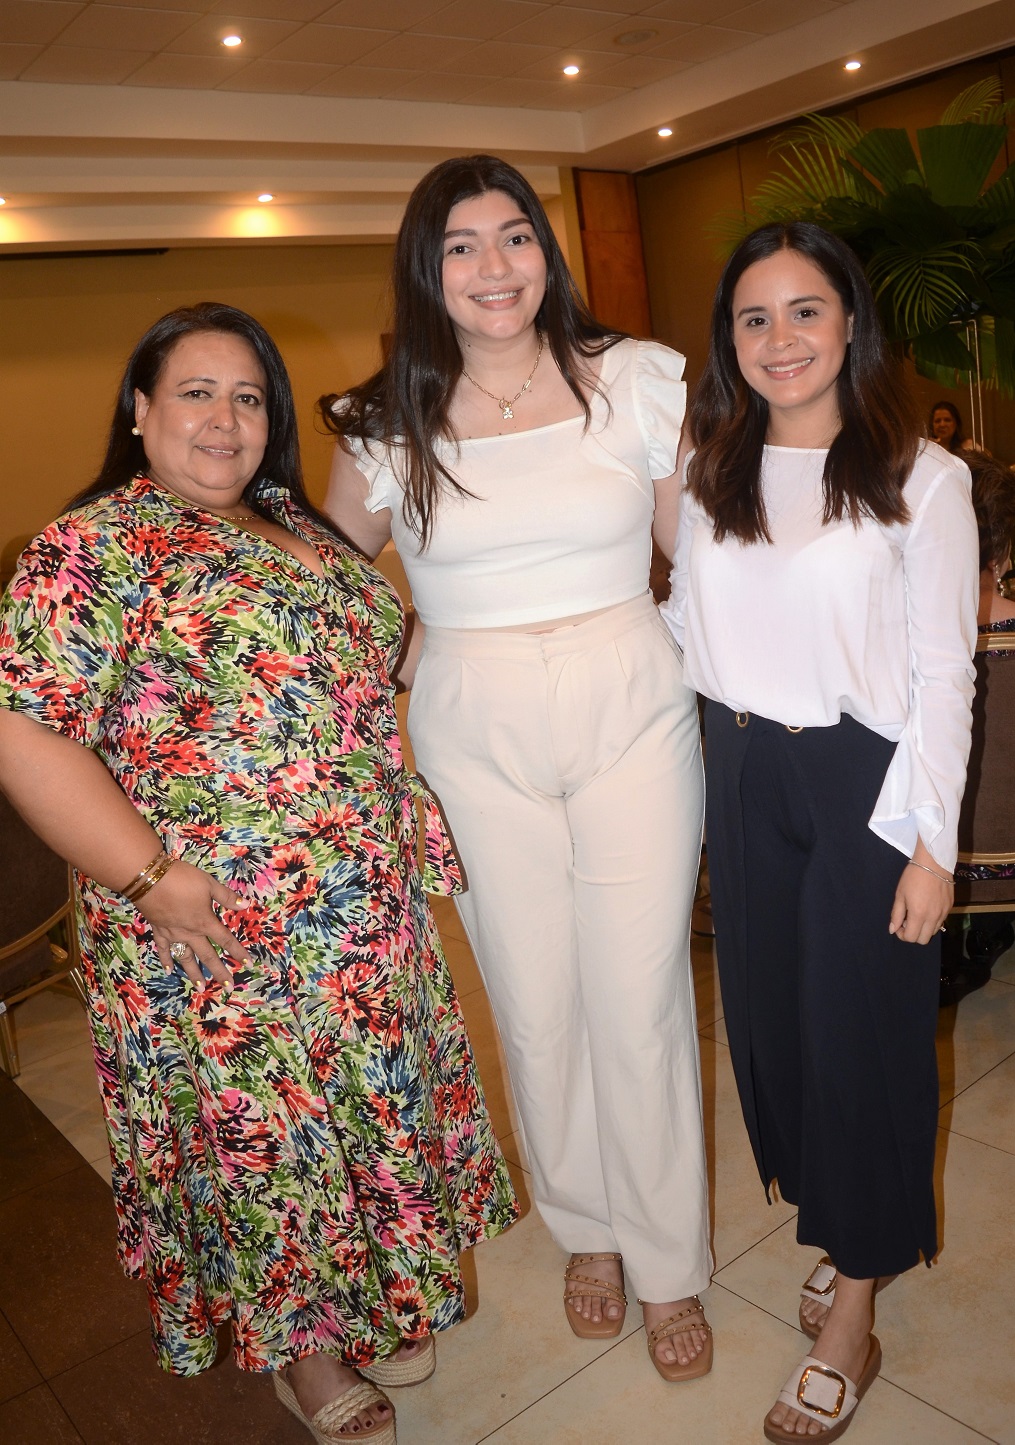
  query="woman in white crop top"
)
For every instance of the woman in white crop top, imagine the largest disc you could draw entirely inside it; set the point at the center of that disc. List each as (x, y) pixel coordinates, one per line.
(824, 592)
(517, 451)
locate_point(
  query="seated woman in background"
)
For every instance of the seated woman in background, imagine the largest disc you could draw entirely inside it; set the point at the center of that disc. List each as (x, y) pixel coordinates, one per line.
(989, 801)
(944, 426)
(196, 711)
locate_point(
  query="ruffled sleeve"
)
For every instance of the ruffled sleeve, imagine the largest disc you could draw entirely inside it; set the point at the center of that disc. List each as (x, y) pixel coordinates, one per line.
(371, 457)
(923, 787)
(660, 396)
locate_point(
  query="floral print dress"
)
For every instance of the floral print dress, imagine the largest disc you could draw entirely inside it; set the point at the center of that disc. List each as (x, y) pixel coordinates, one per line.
(306, 1153)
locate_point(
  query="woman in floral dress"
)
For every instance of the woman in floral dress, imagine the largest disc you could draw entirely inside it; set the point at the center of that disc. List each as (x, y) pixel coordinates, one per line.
(195, 682)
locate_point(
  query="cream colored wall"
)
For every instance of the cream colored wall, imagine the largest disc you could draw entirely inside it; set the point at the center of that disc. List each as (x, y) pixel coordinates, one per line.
(681, 256)
(68, 325)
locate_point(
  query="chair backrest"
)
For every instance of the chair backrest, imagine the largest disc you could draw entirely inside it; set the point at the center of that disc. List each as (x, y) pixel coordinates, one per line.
(34, 882)
(987, 817)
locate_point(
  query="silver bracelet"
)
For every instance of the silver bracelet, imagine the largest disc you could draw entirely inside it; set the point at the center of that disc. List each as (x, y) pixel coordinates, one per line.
(941, 877)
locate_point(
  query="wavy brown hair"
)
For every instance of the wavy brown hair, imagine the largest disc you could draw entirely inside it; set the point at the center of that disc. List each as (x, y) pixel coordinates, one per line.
(994, 505)
(873, 453)
(405, 405)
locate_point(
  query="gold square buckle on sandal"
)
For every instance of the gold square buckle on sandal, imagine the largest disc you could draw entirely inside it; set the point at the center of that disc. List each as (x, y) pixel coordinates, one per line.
(829, 1374)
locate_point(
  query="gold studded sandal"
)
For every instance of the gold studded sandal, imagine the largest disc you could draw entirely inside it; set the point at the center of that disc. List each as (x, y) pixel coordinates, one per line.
(673, 1370)
(587, 1285)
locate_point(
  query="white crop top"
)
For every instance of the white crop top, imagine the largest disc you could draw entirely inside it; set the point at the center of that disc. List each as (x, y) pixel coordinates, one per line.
(559, 521)
(878, 622)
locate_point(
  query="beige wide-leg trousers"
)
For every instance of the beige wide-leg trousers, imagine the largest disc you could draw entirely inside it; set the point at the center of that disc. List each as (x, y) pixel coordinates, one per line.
(569, 767)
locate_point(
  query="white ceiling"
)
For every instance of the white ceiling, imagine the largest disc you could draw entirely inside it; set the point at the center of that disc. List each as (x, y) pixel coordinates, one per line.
(130, 124)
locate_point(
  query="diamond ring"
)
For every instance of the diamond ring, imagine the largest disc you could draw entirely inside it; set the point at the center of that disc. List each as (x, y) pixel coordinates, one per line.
(178, 950)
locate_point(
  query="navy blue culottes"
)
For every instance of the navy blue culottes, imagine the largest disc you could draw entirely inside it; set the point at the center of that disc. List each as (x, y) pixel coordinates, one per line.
(831, 1020)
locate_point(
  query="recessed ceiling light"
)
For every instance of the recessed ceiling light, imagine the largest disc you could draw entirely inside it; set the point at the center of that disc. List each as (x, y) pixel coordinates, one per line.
(231, 40)
(3, 200)
(265, 196)
(664, 130)
(852, 65)
(635, 37)
(570, 69)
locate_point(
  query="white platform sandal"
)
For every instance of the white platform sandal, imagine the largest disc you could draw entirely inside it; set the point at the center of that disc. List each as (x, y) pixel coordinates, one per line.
(820, 1393)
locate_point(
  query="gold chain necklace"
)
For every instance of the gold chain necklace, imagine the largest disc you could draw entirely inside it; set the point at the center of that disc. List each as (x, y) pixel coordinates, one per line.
(506, 403)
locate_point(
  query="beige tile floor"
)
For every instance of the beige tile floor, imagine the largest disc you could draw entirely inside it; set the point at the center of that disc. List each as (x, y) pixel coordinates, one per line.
(514, 1374)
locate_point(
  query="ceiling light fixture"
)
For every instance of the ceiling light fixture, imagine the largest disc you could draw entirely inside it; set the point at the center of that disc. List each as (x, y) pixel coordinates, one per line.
(852, 65)
(3, 200)
(232, 40)
(571, 70)
(664, 131)
(265, 196)
(635, 37)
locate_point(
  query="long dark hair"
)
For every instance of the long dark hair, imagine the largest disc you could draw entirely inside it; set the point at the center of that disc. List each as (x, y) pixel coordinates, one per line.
(125, 455)
(405, 405)
(870, 459)
(958, 436)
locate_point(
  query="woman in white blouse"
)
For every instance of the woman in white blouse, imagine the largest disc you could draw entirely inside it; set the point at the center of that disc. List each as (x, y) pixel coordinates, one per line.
(824, 592)
(516, 450)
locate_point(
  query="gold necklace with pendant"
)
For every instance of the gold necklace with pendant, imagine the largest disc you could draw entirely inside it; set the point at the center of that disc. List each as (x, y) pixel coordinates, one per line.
(507, 403)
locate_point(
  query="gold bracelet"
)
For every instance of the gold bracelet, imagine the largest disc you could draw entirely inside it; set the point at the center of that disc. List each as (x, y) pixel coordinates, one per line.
(148, 877)
(941, 877)
(154, 873)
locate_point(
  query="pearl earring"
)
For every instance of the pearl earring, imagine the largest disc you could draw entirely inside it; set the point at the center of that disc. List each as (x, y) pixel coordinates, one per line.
(136, 431)
(999, 579)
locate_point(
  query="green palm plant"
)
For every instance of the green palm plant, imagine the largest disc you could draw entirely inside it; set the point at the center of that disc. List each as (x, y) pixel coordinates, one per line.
(937, 242)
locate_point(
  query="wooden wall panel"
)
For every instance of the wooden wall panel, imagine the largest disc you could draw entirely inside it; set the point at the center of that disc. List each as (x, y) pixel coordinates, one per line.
(612, 250)
(680, 255)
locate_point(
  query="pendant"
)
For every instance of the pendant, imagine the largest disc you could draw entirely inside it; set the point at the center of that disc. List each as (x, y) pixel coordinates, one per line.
(505, 411)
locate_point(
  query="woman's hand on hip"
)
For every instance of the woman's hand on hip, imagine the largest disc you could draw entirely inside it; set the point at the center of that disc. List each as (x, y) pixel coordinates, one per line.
(922, 903)
(179, 909)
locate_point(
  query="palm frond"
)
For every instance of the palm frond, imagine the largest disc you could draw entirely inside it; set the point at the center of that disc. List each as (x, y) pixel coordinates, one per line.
(888, 156)
(832, 138)
(808, 178)
(975, 102)
(997, 204)
(835, 131)
(945, 348)
(922, 290)
(957, 159)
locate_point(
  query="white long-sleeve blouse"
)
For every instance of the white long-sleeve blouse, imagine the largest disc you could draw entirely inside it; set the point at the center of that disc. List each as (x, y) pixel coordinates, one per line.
(878, 622)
